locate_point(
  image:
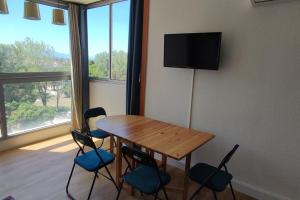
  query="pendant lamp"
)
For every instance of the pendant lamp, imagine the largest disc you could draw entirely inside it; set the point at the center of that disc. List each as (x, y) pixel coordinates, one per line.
(58, 17)
(3, 7)
(31, 11)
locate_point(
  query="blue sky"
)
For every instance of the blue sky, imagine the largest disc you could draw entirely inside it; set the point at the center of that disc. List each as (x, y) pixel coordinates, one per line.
(16, 28)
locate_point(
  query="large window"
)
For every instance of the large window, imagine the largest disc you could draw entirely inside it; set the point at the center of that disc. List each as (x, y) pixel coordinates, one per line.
(108, 28)
(34, 71)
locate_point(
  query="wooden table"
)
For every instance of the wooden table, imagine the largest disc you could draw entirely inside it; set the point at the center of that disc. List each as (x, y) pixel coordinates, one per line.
(164, 138)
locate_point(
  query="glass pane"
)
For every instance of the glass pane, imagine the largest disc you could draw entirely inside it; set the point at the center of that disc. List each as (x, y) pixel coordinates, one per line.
(120, 30)
(35, 105)
(33, 45)
(98, 42)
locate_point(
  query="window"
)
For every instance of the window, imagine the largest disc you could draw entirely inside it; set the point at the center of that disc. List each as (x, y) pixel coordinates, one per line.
(98, 36)
(34, 71)
(36, 104)
(108, 31)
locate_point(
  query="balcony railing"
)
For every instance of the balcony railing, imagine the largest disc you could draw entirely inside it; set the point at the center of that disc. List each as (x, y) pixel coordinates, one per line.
(30, 101)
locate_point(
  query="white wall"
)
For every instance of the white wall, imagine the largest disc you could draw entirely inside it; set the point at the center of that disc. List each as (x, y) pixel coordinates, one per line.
(109, 95)
(253, 100)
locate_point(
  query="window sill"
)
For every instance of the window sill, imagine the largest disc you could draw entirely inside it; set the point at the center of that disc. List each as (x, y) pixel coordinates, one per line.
(21, 133)
(117, 82)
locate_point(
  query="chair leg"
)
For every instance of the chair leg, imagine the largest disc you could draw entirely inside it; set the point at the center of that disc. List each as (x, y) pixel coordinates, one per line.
(112, 179)
(196, 192)
(67, 187)
(232, 191)
(164, 190)
(92, 185)
(155, 196)
(215, 195)
(120, 189)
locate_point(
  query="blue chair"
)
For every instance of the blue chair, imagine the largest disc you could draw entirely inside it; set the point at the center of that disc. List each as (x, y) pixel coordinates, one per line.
(91, 161)
(91, 113)
(211, 177)
(146, 177)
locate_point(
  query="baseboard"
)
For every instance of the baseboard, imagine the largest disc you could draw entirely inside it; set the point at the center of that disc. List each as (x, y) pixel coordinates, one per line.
(241, 186)
(256, 192)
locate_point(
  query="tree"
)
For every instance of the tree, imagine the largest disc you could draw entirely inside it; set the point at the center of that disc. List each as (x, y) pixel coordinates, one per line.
(25, 92)
(42, 91)
(99, 66)
(27, 112)
(7, 63)
(33, 56)
(21, 99)
(119, 65)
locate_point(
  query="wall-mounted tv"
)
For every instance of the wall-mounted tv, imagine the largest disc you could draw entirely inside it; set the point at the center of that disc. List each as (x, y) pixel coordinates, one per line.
(192, 50)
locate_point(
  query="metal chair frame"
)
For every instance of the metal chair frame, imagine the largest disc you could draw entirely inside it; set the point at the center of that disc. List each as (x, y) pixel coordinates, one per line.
(221, 165)
(140, 157)
(86, 140)
(91, 113)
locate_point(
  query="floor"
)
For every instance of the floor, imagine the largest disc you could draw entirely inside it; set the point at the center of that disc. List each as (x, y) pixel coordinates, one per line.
(40, 171)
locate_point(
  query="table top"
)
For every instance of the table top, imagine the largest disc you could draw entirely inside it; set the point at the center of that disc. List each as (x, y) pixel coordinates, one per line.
(168, 139)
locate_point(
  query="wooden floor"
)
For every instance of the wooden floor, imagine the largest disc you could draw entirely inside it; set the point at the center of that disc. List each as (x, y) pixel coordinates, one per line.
(40, 171)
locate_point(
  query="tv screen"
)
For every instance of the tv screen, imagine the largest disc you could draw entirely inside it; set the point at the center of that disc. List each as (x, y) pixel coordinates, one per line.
(193, 50)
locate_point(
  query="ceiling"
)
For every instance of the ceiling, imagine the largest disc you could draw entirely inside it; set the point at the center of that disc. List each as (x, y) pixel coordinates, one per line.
(82, 1)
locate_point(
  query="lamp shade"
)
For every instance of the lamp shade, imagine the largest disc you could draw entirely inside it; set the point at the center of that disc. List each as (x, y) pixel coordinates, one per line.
(3, 7)
(58, 17)
(31, 11)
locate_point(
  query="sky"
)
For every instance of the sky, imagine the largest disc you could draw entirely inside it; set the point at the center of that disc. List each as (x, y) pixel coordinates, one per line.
(16, 28)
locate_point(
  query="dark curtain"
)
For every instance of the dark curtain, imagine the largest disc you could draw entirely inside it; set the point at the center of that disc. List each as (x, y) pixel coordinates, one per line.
(84, 61)
(134, 57)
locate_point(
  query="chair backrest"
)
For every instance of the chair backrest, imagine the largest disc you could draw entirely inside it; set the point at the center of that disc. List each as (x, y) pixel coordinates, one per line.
(93, 112)
(138, 156)
(222, 164)
(82, 139)
(228, 157)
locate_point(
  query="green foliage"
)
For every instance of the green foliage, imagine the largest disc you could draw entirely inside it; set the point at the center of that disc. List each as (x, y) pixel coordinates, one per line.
(62, 109)
(6, 62)
(99, 66)
(28, 112)
(66, 89)
(11, 106)
(20, 92)
(119, 65)
(30, 56)
(21, 103)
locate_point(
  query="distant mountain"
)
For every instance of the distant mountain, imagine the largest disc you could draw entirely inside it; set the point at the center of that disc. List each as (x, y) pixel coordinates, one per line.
(62, 55)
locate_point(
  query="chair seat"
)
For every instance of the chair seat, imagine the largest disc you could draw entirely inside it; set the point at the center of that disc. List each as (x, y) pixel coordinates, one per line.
(145, 179)
(201, 171)
(99, 134)
(91, 162)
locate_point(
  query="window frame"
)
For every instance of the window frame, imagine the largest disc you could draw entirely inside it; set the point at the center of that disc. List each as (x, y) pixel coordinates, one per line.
(110, 4)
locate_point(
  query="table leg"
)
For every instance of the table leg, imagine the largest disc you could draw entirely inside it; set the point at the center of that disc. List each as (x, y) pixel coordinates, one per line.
(133, 165)
(164, 162)
(118, 162)
(111, 141)
(186, 176)
(152, 153)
